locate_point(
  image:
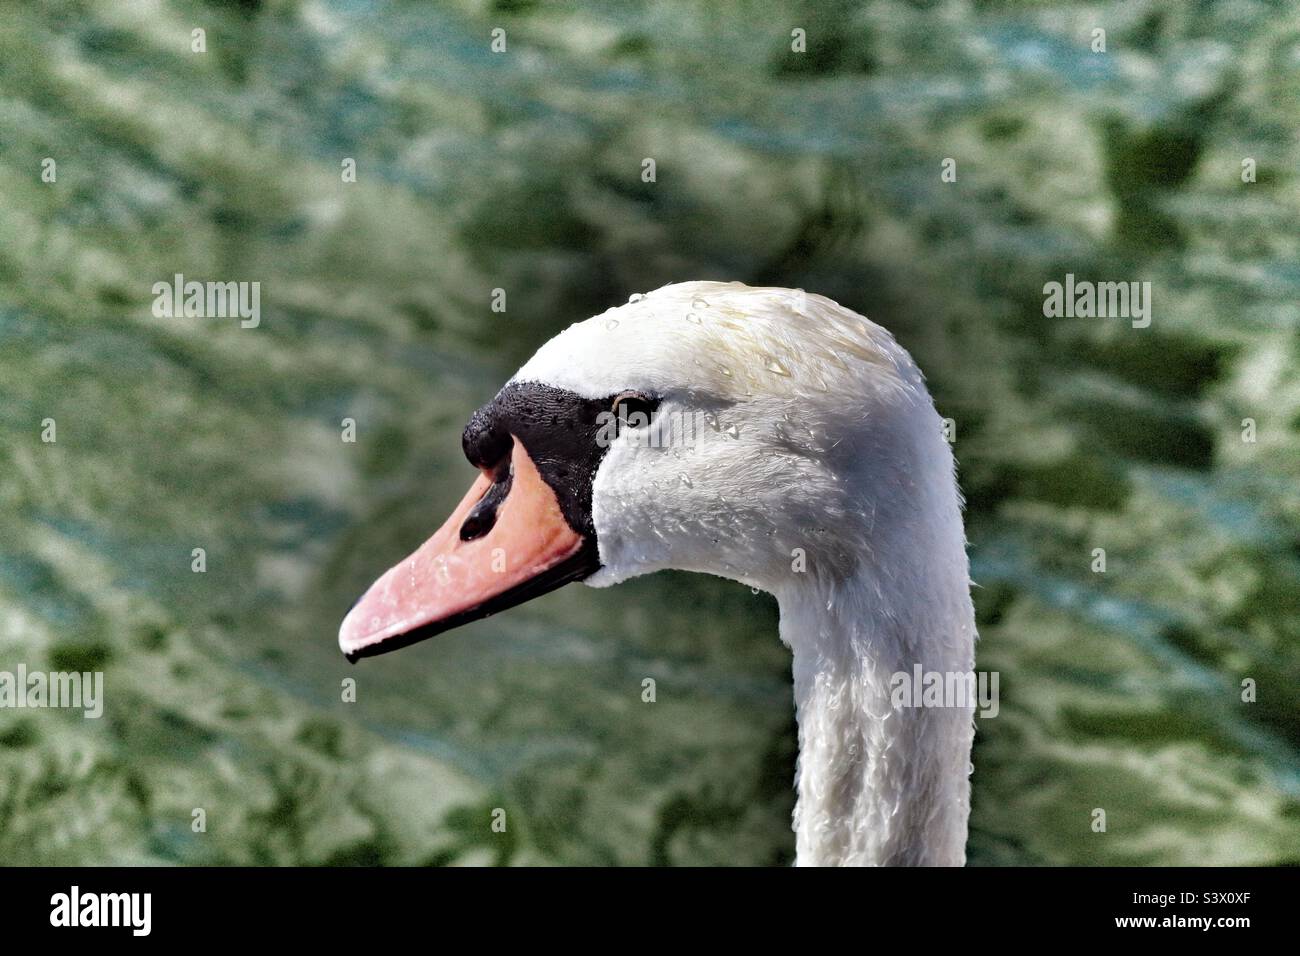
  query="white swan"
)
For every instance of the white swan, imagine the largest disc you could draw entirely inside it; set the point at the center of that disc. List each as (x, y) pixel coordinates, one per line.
(764, 435)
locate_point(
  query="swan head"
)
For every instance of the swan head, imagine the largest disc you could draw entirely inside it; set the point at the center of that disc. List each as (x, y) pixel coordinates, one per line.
(758, 434)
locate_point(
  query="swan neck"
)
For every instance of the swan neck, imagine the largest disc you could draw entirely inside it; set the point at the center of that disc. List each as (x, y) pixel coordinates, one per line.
(880, 784)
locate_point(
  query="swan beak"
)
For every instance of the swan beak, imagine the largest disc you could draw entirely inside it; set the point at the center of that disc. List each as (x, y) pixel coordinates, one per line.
(527, 550)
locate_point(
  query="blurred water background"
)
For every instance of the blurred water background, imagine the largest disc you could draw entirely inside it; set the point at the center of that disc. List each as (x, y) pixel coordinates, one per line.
(521, 171)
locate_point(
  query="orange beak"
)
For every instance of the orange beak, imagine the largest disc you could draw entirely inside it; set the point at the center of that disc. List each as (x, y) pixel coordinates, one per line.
(528, 550)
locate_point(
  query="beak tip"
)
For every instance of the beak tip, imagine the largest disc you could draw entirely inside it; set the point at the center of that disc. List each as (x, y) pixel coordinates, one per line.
(349, 642)
(351, 650)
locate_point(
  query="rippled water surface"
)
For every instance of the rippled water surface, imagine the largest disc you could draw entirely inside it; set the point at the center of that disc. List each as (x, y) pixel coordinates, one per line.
(521, 171)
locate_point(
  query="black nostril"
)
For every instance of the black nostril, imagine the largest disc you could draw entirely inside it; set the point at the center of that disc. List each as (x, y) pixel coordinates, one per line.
(483, 516)
(476, 526)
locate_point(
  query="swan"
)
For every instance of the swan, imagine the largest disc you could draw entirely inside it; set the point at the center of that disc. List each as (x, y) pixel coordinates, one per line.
(765, 435)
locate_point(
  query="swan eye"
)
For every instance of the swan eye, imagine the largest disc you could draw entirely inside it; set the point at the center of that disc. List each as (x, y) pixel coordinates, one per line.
(634, 410)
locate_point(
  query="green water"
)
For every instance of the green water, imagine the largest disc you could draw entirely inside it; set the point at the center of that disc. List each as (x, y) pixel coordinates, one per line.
(521, 171)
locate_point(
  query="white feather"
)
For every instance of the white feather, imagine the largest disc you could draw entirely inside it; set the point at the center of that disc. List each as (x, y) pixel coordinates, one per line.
(813, 430)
